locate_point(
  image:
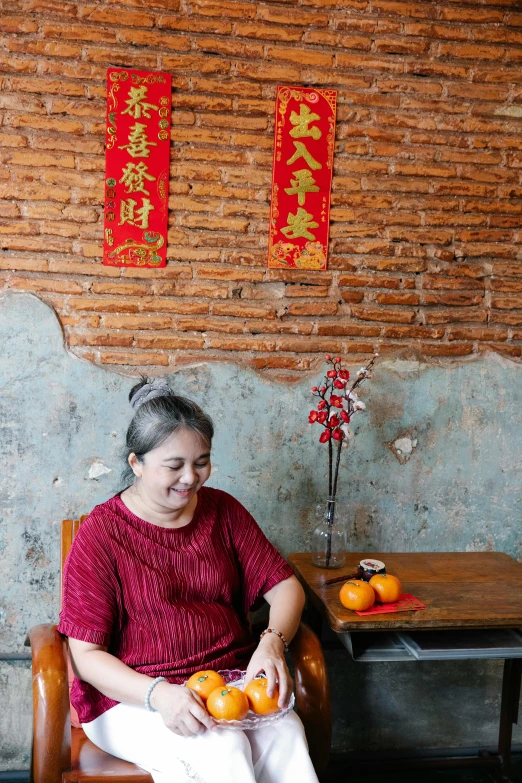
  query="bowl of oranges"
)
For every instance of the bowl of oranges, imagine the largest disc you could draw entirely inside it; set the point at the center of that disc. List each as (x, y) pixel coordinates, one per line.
(360, 595)
(234, 706)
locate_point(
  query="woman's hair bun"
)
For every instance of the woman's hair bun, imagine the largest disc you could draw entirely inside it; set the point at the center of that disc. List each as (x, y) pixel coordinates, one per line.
(135, 389)
(148, 389)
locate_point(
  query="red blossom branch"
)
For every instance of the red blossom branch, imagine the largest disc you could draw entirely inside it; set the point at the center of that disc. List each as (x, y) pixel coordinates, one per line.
(335, 408)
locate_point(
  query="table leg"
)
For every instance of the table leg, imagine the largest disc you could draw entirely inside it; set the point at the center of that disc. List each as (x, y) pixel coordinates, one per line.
(508, 712)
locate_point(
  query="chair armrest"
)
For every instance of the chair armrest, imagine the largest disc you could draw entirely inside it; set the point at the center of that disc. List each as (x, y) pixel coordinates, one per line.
(51, 718)
(312, 693)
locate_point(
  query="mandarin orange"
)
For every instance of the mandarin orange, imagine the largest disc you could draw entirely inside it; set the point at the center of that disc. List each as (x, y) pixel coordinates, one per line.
(227, 703)
(357, 595)
(387, 588)
(260, 702)
(204, 682)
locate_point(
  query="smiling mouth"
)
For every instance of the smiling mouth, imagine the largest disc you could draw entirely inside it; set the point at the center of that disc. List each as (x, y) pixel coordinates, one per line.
(183, 491)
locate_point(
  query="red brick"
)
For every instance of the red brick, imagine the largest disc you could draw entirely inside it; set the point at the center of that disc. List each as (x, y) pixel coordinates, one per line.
(445, 349)
(398, 298)
(468, 315)
(354, 297)
(506, 302)
(106, 339)
(104, 305)
(170, 343)
(317, 345)
(89, 321)
(369, 281)
(40, 284)
(506, 286)
(268, 32)
(509, 350)
(508, 318)
(276, 327)
(347, 330)
(223, 273)
(313, 308)
(17, 24)
(136, 322)
(297, 276)
(478, 334)
(17, 264)
(452, 299)
(383, 315)
(134, 359)
(240, 344)
(296, 290)
(121, 289)
(412, 332)
(243, 310)
(209, 325)
(279, 362)
(191, 289)
(161, 305)
(438, 281)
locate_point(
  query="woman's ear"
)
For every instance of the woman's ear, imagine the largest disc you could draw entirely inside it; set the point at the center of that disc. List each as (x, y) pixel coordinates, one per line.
(136, 465)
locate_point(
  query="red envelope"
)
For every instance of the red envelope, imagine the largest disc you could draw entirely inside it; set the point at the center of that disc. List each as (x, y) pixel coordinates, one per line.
(406, 603)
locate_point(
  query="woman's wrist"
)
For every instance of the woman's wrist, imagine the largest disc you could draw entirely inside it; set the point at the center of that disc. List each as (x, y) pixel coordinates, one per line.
(275, 638)
(157, 694)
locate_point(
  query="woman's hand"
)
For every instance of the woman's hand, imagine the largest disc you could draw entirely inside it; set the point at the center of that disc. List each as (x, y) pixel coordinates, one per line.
(269, 658)
(182, 710)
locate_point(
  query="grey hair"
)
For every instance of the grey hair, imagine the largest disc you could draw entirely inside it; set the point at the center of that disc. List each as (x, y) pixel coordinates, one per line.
(159, 413)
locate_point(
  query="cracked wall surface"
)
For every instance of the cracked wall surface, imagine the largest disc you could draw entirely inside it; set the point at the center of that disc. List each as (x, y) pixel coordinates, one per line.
(62, 423)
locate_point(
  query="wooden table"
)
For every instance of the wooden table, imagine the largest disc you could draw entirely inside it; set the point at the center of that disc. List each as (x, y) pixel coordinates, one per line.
(461, 590)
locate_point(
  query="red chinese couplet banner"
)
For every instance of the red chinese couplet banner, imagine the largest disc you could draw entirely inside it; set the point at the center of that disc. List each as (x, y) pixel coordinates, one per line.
(302, 178)
(137, 168)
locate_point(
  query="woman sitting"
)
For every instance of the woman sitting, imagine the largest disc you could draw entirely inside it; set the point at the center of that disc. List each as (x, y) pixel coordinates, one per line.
(157, 586)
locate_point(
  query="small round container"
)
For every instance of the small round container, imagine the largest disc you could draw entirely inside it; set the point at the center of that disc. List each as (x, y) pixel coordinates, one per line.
(369, 567)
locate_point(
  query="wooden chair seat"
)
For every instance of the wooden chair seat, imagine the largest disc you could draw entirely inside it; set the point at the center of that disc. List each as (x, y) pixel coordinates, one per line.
(64, 755)
(88, 762)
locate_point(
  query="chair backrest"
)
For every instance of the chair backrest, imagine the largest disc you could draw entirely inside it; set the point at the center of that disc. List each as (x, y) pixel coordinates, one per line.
(70, 528)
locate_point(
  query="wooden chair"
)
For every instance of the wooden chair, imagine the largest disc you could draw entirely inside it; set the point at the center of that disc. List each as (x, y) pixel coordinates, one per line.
(61, 754)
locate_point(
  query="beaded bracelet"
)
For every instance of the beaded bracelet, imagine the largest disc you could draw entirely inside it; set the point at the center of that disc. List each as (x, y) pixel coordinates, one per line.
(277, 633)
(151, 688)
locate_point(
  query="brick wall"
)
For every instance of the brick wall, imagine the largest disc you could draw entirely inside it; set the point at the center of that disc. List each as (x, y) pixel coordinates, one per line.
(427, 196)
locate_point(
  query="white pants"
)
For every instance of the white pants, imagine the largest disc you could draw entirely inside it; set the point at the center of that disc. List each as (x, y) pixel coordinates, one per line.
(276, 753)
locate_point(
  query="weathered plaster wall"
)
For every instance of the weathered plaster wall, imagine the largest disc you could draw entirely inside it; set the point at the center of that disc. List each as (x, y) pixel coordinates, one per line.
(61, 419)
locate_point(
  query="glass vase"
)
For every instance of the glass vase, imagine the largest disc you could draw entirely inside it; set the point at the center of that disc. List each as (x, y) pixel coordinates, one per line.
(329, 536)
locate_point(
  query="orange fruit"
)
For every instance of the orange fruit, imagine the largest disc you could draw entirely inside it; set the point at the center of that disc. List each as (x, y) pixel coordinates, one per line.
(387, 588)
(357, 595)
(259, 701)
(203, 683)
(227, 703)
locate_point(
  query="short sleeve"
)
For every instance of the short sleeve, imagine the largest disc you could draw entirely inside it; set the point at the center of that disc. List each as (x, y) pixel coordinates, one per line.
(261, 564)
(89, 603)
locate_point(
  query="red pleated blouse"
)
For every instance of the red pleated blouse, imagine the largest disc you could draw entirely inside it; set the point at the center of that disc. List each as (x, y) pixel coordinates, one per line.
(166, 601)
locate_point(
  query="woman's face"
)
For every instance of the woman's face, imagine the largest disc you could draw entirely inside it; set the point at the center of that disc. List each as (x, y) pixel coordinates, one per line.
(171, 474)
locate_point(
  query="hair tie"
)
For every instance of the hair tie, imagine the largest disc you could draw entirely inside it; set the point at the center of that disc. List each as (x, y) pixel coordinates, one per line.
(149, 391)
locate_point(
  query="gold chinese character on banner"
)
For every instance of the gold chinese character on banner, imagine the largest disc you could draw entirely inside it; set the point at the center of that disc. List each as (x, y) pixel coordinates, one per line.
(302, 184)
(137, 106)
(138, 145)
(302, 121)
(299, 224)
(136, 217)
(302, 152)
(134, 176)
